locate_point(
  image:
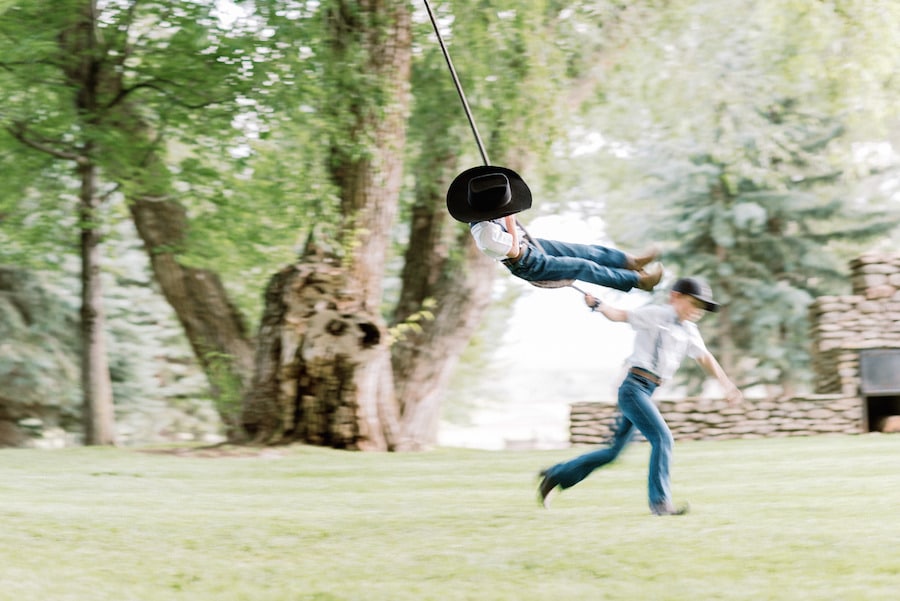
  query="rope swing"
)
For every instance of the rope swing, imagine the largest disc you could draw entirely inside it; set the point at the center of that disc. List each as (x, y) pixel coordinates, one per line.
(484, 155)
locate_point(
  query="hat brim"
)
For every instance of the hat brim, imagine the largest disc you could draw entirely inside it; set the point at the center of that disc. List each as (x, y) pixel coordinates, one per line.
(711, 306)
(458, 195)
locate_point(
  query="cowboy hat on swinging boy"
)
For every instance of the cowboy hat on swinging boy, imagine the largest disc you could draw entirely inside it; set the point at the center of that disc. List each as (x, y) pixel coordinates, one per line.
(487, 192)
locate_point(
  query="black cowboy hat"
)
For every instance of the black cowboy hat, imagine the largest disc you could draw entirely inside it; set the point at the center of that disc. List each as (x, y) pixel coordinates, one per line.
(487, 192)
(699, 290)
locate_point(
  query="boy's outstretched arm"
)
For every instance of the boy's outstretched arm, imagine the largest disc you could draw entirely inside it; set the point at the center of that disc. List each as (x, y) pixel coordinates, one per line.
(712, 367)
(611, 313)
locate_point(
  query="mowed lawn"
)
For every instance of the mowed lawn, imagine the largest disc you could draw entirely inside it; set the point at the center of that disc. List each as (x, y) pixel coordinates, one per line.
(799, 519)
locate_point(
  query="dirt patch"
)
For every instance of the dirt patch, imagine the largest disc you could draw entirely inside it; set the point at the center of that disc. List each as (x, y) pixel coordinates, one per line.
(218, 451)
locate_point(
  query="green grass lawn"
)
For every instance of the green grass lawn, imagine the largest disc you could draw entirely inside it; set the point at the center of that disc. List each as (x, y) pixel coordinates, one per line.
(798, 519)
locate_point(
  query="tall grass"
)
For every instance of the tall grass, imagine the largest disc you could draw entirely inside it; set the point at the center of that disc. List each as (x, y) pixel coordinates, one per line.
(798, 519)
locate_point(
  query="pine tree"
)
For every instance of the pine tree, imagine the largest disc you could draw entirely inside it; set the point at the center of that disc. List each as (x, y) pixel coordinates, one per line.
(758, 220)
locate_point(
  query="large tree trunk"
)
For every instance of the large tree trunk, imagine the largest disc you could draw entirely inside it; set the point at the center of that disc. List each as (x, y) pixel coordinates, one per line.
(367, 155)
(79, 42)
(320, 363)
(445, 293)
(213, 325)
(323, 372)
(425, 357)
(96, 385)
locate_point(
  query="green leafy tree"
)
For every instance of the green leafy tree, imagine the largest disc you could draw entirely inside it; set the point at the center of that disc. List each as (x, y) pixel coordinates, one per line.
(129, 101)
(166, 83)
(229, 141)
(444, 283)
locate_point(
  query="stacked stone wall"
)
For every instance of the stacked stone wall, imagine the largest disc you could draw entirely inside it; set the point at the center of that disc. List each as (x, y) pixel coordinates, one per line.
(840, 326)
(709, 419)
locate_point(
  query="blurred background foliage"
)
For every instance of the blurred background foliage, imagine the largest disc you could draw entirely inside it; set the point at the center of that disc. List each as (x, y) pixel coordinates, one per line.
(756, 141)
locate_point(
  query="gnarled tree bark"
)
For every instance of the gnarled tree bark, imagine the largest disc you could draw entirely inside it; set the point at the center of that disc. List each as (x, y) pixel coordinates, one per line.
(321, 363)
(323, 372)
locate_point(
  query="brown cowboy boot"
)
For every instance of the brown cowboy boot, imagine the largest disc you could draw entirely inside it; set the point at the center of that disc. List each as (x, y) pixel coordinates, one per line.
(638, 262)
(648, 279)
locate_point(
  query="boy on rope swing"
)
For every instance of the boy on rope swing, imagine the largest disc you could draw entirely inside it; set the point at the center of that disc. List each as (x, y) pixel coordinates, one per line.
(488, 197)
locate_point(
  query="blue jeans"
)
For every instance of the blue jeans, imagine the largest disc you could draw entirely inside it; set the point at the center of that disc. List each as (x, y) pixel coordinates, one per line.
(566, 261)
(637, 410)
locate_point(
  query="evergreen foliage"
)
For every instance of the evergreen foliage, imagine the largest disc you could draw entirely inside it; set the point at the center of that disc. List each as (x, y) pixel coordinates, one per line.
(733, 133)
(759, 222)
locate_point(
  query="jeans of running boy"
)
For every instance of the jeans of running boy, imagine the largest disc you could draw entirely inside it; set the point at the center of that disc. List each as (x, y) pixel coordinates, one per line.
(637, 410)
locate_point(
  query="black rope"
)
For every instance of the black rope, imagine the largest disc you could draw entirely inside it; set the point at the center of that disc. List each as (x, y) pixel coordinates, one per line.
(459, 90)
(465, 104)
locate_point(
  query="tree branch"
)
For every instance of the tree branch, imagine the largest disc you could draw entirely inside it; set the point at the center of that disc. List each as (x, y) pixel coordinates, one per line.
(20, 132)
(154, 85)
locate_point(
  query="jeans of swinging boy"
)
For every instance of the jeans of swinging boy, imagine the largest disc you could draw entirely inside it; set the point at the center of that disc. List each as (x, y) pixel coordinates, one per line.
(569, 261)
(637, 410)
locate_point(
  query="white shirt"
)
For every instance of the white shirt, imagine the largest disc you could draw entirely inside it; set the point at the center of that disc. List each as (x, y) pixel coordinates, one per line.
(662, 342)
(492, 238)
